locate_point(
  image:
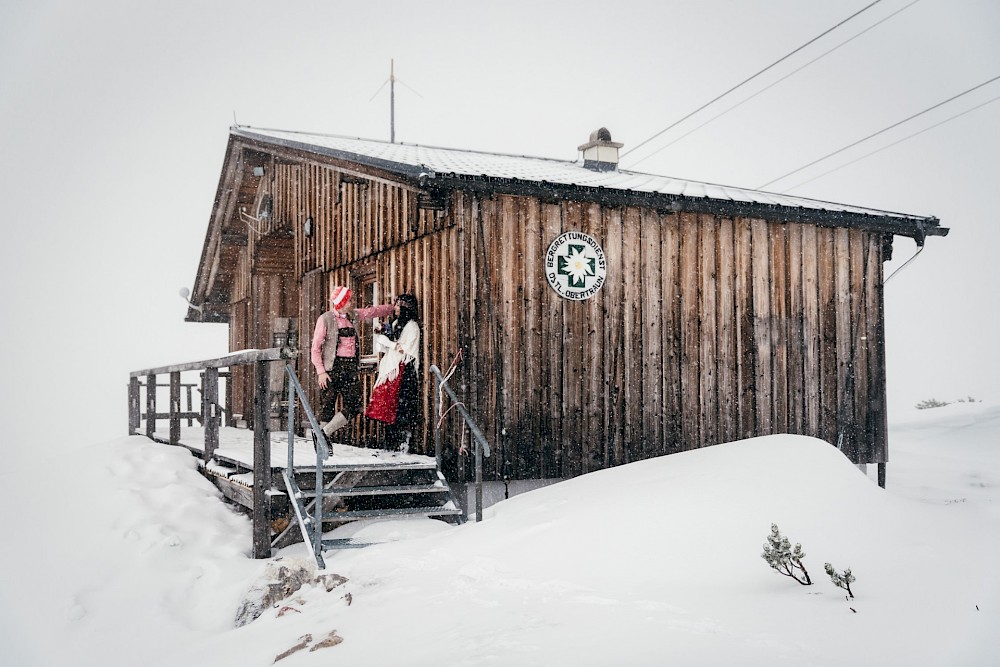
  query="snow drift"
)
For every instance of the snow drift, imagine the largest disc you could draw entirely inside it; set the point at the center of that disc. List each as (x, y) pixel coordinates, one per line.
(137, 560)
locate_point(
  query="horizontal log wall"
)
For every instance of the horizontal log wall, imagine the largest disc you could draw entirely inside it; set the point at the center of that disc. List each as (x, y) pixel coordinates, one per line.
(707, 330)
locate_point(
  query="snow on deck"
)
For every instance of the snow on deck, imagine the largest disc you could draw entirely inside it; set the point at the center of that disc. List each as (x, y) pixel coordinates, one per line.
(236, 444)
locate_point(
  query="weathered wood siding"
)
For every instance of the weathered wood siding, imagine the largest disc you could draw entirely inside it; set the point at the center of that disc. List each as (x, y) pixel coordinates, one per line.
(365, 227)
(707, 330)
(265, 286)
(355, 216)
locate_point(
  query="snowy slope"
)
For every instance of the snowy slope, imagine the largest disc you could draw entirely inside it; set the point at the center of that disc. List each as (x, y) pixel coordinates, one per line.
(652, 563)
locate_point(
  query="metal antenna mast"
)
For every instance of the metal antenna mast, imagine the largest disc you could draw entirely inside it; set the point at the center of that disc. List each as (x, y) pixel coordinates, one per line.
(392, 97)
(392, 101)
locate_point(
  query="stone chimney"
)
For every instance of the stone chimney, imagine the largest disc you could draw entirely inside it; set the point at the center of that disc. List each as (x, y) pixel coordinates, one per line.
(600, 153)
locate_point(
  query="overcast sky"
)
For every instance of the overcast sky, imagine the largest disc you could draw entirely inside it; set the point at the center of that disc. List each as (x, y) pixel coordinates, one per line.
(114, 118)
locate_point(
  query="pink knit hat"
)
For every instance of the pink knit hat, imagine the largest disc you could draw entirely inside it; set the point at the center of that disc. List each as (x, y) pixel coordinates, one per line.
(339, 297)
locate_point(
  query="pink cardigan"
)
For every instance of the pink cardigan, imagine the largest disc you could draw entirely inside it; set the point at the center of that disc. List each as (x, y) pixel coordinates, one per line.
(320, 341)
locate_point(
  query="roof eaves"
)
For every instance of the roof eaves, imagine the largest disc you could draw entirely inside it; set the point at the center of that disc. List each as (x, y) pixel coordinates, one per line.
(401, 168)
(915, 227)
(693, 197)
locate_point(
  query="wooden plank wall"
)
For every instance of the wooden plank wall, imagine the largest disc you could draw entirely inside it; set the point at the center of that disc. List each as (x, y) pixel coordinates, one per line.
(707, 330)
(241, 377)
(364, 224)
(358, 220)
(424, 267)
(355, 216)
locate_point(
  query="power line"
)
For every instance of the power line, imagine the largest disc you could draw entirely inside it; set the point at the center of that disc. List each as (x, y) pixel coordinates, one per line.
(882, 131)
(772, 85)
(745, 81)
(899, 141)
(920, 249)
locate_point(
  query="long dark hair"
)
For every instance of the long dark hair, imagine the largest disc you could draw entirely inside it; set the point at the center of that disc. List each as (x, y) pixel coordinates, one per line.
(409, 311)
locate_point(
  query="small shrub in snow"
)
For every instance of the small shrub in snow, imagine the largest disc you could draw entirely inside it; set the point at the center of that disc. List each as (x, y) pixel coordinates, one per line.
(780, 555)
(840, 579)
(930, 403)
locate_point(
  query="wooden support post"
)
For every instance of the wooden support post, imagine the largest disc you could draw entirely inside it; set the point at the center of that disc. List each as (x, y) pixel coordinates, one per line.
(881, 474)
(230, 421)
(261, 462)
(175, 407)
(190, 407)
(133, 406)
(210, 410)
(150, 406)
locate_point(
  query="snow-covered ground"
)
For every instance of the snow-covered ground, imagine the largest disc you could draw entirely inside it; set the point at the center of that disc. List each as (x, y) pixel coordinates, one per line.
(122, 554)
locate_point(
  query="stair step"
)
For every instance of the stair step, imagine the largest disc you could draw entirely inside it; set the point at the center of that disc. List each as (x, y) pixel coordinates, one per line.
(378, 490)
(395, 511)
(345, 543)
(373, 467)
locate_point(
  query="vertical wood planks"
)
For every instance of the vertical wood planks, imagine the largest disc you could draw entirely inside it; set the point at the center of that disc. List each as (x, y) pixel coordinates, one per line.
(708, 347)
(632, 316)
(810, 333)
(651, 306)
(827, 334)
(795, 343)
(842, 271)
(533, 282)
(575, 336)
(671, 331)
(779, 329)
(760, 266)
(727, 361)
(706, 330)
(613, 335)
(552, 227)
(690, 331)
(876, 351)
(594, 436)
(863, 444)
(510, 312)
(746, 403)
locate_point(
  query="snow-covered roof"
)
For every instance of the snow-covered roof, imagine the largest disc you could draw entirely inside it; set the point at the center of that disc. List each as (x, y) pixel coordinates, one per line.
(433, 162)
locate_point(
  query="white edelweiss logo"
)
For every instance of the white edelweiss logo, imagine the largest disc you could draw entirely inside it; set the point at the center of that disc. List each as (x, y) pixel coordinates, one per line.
(575, 266)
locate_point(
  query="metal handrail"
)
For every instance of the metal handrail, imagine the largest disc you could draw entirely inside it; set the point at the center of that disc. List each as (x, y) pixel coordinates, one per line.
(482, 446)
(323, 451)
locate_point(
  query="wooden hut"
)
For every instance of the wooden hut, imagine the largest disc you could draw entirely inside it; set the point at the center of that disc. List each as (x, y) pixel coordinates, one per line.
(605, 316)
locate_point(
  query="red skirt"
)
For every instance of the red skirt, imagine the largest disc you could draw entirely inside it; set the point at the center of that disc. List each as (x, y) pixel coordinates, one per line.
(384, 402)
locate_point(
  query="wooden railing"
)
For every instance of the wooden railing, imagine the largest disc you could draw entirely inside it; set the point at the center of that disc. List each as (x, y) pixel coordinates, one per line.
(211, 416)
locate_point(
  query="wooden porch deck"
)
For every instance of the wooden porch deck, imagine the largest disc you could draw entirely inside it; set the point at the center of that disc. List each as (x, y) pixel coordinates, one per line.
(236, 450)
(276, 481)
